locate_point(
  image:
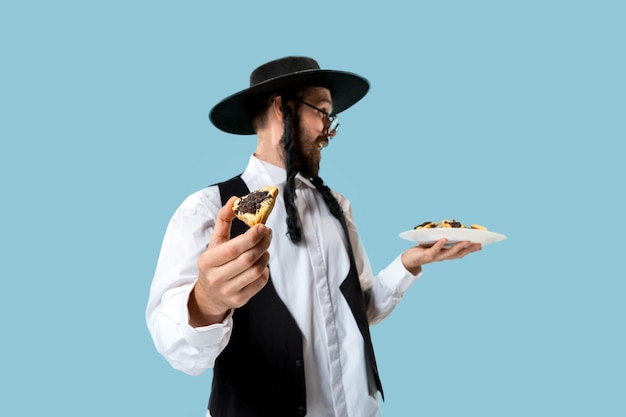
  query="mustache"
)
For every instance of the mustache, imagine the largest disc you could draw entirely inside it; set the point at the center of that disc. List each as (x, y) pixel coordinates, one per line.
(322, 142)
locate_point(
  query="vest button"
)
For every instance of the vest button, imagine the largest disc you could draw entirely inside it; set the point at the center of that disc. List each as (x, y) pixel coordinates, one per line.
(299, 363)
(301, 411)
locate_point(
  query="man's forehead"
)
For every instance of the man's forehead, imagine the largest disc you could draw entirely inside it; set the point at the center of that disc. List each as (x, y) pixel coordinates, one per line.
(318, 93)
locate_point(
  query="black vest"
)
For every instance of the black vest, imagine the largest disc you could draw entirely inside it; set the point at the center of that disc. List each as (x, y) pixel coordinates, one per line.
(261, 370)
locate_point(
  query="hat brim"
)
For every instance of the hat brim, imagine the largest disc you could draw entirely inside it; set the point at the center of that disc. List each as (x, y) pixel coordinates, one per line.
(232, 114)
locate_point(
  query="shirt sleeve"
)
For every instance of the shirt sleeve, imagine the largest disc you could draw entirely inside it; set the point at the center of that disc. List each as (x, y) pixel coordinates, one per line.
(191, 350)
(384, 291)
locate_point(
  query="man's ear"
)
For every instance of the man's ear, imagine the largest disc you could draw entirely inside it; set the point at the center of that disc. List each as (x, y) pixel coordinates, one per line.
(277, 107)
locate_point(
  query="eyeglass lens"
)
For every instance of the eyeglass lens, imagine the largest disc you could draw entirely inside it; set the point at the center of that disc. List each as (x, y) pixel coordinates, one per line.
(333, 121)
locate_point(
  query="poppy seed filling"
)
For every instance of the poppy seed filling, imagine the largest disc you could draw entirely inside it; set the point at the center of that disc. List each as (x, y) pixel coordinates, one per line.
(252, 202)
(422, 225)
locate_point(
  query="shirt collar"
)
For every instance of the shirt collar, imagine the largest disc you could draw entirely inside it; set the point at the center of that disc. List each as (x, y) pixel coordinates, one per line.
(274, 174)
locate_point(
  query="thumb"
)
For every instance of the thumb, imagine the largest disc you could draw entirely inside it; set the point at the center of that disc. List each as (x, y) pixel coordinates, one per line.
(223, 222)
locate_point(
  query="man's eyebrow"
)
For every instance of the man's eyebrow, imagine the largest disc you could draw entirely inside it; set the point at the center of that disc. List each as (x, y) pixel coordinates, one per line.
(324, 100)
(320, 98)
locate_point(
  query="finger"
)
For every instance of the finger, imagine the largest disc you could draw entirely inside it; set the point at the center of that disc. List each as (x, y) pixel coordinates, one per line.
(460, 249)
(234, 256)
(246, 293)
(473, 247)
(440, 251)
(255, 286)
(434, 252)
(254, 276)
(223, 223)
(440, 244)
(243, 252)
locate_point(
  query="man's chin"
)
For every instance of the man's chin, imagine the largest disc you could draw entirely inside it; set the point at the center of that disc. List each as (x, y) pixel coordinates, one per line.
(311, 170)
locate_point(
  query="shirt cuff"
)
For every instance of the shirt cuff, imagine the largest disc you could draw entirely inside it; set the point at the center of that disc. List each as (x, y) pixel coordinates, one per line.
(397, 277)
(206, 336)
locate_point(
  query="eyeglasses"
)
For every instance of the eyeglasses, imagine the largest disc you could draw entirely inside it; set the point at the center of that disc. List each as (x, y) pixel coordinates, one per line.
(333, 121)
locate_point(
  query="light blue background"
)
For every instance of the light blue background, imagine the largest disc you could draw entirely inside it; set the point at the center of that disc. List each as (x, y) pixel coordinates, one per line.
(509, 114)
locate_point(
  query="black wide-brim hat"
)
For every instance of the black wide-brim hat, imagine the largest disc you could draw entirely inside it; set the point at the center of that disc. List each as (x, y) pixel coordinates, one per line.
(232, 115)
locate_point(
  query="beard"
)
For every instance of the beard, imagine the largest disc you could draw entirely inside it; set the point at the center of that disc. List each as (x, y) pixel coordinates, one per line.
(303, 157)
(306, 154)
(309, 165)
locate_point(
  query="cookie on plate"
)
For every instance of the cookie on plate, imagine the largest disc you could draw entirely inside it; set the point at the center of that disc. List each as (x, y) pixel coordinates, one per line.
(446, 224)
(427, 225)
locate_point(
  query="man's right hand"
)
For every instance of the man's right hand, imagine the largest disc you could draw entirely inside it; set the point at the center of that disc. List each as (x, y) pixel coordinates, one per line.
(231, 270)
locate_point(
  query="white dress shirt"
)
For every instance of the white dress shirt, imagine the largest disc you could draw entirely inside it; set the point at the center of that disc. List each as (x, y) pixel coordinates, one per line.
(306, 277)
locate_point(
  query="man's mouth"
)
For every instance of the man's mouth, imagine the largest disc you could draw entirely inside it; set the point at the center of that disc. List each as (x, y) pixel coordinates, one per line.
(321, 144)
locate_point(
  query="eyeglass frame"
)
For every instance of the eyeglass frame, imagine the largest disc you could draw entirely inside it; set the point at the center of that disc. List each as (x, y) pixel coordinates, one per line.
(332, 119)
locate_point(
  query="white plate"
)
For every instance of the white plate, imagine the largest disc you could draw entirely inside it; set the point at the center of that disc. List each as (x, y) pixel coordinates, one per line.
(454, 235)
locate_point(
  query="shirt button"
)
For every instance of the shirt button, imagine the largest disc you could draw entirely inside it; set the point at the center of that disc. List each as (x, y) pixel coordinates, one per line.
(301, 411)
(299, 363)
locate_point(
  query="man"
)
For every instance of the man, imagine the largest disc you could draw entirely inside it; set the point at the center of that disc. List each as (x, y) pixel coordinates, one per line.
(281, 311)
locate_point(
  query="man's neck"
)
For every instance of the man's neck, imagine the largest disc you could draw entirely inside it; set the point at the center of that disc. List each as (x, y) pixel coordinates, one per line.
(270, 149)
